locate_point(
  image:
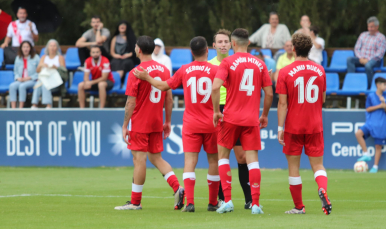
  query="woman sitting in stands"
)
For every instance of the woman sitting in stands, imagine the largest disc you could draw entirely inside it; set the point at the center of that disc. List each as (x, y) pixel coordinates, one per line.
(122, 49)
(25, 73)
(52, 59)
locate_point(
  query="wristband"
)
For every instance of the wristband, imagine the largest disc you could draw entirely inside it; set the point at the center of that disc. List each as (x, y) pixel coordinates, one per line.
(280, 128)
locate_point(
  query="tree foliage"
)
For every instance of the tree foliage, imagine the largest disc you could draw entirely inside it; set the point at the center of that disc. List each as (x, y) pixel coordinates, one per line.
(177, 21)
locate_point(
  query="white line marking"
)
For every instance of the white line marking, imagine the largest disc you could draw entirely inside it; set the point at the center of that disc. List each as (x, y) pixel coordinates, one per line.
(171, 197)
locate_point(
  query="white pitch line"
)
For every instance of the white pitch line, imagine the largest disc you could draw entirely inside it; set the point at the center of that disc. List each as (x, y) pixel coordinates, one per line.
(170, 197)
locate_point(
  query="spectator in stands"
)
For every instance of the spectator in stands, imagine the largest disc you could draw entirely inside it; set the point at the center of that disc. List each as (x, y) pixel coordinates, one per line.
(122, 47)
(316, 53)
(25, 73)
(285, 59)
(369, 50)
(160, 56)
(19, 31)
(272, 35)
(102, 78)
(52, 59)
(305, 23)
(96, 36)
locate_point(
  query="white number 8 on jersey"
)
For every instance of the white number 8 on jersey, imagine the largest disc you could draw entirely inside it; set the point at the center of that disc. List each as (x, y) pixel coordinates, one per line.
(155, 94)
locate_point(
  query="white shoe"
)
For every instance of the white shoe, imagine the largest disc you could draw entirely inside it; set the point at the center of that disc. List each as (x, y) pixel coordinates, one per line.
(226, 207)
(257, 210)
(296, 211)
(128, 206)
(34, 108)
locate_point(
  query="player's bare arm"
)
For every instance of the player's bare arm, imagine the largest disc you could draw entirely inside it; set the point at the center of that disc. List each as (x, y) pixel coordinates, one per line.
(267, 105)
(168, 113)
(129, 108)
(324, 97)
(144, 75)
(217, 83)
(281, 113)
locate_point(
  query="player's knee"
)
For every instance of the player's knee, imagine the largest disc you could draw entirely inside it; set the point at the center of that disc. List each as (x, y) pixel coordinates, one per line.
(359, 133)
(139, 158)
(102, 85)
(80, 86)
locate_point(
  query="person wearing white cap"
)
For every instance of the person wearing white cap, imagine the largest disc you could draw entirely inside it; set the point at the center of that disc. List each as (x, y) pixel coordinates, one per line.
(160, 56)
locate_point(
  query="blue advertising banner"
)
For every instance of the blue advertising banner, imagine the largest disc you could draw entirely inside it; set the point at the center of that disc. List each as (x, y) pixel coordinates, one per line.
(92, 137)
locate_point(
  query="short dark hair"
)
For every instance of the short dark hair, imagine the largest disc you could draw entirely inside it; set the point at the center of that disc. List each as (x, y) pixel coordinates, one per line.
(380, 80)
(314, 29)
(223, 32)
(32, 51)
(198, 45)
(95, 46)
(241, 36)
(146, 44)
(96, 17)
(302, 44)
(22, 8)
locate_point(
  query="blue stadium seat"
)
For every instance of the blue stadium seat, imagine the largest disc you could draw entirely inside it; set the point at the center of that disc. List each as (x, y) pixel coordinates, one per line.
(6, 78)
(212, 53)
(72, 59)
(325, 59)
(266, 52)
(376, 68)
(178, 92)
(9, 67)
(1, 56)
(339, 61)
(78, 77)
(121, 91)
(354, 84)
(332, 81)
(180, 57)
(373, 86)
(253, 52)
(231, 52)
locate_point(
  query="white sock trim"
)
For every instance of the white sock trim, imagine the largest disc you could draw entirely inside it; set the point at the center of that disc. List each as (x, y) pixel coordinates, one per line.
(167, 175)
(223, 162)
(366, 154)
(253, 165)
(320, 173)
(213, 177)
(136, 187)
(189, 175)
(295, 180)
(375, 166)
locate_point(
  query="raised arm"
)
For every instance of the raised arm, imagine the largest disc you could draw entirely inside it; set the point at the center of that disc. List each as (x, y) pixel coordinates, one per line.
(82, 42)
(144, 75)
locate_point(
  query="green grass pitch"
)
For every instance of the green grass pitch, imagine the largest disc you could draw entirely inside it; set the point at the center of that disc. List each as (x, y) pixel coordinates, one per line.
(85, 198)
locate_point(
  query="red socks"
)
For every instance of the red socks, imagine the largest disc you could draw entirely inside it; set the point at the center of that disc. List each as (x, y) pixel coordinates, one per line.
(254, 182)
(296, 191)
(136, 194)
(226, 178)
(189, 182)
(214, 185)
(321, 179)
(172, 180)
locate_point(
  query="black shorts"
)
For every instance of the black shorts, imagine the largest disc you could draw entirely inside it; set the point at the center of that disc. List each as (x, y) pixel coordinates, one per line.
(238, 143)
(110, 86)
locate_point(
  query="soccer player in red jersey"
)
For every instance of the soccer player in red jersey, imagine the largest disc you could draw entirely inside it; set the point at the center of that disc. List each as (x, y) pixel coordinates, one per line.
(302, 90)
(102, 78)
(144, 107)
(196, 78)
(244, 76)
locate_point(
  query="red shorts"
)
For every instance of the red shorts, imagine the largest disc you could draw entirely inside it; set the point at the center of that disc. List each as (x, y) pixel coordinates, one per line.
(192, 142)
(146, 142)
(249, 136)
(313, 144)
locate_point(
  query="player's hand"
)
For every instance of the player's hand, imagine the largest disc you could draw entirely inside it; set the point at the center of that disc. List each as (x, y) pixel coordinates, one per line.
(142, 75)
(216, 117)
(270, 74)
(263, 122)
(4, 45)
(100, 25)
(30, 25)
(87, 85)
(280, 137)
(126, 135)
(167, 128)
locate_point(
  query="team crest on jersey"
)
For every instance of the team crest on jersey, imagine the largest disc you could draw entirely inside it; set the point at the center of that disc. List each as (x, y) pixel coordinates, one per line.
(106, 65)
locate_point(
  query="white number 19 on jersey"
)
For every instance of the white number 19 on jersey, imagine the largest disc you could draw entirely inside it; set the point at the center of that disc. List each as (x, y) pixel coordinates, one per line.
(246, 83)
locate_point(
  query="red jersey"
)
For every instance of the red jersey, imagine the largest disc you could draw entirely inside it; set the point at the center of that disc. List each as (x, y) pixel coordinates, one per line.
(197, 79)
(148, 112)
(304, 83)
(244, 76)
(96, 70)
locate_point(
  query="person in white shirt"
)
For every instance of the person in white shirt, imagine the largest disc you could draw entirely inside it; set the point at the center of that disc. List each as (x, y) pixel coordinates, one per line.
(160, 56)
(316, 53)
(19, 31)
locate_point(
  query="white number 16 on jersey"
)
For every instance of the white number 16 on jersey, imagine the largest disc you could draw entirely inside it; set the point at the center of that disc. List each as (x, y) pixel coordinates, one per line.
(246, 83)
